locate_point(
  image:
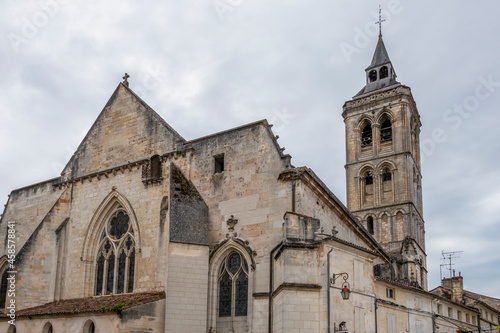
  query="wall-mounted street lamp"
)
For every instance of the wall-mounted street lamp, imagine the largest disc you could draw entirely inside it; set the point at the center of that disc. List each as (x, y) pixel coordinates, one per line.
(345, 292)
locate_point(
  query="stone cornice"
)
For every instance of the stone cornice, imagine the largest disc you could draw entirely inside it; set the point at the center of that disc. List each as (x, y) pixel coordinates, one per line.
(106, 173)
(376, 97)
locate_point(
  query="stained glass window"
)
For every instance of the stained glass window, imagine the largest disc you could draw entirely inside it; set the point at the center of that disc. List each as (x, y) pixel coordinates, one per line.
(119, 225)
(241, 295)
(117, 252)
(100, 275)
(234, 263)
(111, 274)
(121, 272)
(233, 286)
(225, 295)
(131, 272)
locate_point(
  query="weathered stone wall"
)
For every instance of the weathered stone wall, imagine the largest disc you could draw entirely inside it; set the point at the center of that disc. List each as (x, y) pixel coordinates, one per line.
(144, 318)
(188, 211)
(36, 260)
(73, 323)
(248, 189)
(27, 207)
(127, 130)
(410, 308)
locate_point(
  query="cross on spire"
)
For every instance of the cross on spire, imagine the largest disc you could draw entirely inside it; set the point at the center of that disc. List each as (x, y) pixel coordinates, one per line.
(379, 22)
(125, 79)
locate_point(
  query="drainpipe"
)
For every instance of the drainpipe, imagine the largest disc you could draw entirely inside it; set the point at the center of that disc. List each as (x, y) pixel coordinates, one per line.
(328, 286)
(434, 323)
(376, 307)
(271, 286)
(479, 322)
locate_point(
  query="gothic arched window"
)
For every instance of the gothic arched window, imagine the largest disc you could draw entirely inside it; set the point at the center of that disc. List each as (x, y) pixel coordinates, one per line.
(233, 286)
(47, 328)
(386, 131)
(366, 136)
(115, 260)
(89, 327)
(3, 290)
(384, 72)
(372, 76)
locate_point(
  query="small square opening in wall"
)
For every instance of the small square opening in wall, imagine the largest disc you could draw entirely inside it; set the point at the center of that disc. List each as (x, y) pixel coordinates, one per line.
(389, 292)
(219, 163)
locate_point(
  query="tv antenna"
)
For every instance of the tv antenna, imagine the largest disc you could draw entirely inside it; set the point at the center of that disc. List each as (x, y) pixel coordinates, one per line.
(447, 262)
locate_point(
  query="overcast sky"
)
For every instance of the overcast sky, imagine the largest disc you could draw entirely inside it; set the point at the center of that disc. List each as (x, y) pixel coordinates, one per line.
(207, 66)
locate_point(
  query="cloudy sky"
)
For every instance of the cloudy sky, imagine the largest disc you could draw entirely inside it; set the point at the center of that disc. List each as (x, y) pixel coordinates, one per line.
(207, 66)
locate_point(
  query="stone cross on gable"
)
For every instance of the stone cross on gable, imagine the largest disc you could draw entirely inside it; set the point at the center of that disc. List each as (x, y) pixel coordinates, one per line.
(231, 222)
(125, 79)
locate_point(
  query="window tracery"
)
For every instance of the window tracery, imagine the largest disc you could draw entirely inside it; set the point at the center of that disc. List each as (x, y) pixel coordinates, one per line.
(116, 257)
(233, 286)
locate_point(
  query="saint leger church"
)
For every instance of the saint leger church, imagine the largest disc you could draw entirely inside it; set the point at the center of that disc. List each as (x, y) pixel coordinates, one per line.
(145, 231)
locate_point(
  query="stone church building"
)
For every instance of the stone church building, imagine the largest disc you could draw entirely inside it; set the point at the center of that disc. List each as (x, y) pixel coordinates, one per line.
(145, 231)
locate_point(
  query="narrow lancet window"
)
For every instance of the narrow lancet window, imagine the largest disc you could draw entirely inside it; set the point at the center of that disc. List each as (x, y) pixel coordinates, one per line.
(384, 72)
(368, 178)
(369, 225)
(386, 131)
(3, 290)
(386, 175)
(366, 136)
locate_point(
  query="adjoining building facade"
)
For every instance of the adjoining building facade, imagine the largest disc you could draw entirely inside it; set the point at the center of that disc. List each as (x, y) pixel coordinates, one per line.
(145, 231)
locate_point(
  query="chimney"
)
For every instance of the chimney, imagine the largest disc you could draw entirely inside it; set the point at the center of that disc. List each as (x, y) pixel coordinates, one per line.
(455, 285)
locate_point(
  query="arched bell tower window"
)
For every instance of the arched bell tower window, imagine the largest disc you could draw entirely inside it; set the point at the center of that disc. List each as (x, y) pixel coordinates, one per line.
(386, 175)
(372, 76)
(386, 131)
(369, 178)
(115, 260)
(366, 136)
(384, 72)
(369, 225)
(233, 286)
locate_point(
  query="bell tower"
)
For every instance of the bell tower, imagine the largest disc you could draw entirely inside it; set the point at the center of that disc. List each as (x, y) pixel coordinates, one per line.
(384, 189)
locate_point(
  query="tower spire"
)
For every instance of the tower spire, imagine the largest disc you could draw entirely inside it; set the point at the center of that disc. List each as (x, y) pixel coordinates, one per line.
(380, 74)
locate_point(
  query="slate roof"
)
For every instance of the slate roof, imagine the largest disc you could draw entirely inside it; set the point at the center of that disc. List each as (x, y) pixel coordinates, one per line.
(102, 304)
(380, 56)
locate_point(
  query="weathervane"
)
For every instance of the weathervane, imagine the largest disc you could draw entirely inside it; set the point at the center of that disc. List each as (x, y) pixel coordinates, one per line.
(379, 22)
